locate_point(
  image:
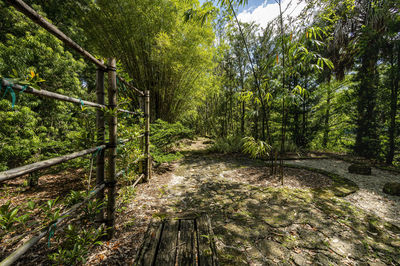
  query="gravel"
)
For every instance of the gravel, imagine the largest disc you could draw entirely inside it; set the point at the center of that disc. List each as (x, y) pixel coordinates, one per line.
(370, 196)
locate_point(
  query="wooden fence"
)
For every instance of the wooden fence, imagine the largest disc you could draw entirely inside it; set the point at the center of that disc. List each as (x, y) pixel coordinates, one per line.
(103, 182)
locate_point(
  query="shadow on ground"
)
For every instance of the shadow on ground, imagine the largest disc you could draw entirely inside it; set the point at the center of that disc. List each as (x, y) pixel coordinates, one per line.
(280, 226)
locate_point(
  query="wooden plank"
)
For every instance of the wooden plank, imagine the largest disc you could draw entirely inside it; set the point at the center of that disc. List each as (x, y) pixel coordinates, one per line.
(186, 243)
(204, 242)
(166, 254)
(147, 253)
(212, 241)
(20, 171)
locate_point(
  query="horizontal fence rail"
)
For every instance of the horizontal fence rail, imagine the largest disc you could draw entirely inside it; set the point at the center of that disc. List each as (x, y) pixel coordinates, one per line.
(13, 257)
(130, 86)
(57, 96)
(124, 141)
(34, 16)
(26, 169)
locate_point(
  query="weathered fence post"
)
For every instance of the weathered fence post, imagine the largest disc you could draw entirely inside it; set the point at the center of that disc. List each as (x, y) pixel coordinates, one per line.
(100, 140)
(141, 147)
(141, 144)
(111, 180)
(147, 135)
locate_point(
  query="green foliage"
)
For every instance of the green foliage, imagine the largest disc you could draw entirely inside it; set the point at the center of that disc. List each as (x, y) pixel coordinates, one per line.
(39, 128)
(162, 157)
(74, 197)
(125, 196)
(19, 133)
(130, 151)
(164, 134)
(76, 245)
(230, 144)
(256, 148)
(158, 50)
(9, 217)
(50, 211)
(92, 208)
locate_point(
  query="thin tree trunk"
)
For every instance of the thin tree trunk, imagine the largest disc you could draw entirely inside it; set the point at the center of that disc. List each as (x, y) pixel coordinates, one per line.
(327, 115)
(283, 129)
(366, 138)
(242, 119)
(304, 121)
(393, 108)
(263, 123)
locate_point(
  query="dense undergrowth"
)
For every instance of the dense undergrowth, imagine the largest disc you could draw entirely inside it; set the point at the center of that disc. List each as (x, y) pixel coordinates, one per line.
(164, 137)
(71, 245)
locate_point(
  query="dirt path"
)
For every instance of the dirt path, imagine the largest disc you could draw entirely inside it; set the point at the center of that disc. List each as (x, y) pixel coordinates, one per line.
(255, 223)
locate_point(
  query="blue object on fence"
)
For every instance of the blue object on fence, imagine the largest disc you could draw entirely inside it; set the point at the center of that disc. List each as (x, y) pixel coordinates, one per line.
(82, 104)
(23, 88)
(52, 230)
(9, 89)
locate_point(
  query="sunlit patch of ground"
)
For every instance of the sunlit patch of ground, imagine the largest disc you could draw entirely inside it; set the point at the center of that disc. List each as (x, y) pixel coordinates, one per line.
(370, 196)
(259, 224)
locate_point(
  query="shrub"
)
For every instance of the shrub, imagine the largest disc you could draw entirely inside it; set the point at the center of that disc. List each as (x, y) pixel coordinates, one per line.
(76, 246)
(256, 148)
(164, 134)
(163, 137)
(230, 144)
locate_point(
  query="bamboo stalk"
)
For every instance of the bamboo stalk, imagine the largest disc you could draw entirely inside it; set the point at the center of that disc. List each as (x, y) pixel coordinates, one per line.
(147, 135)
(141, 147)
(13, 257)
(137, 181)
(130, 86)
(100, 123)
(111, 178)
(38, 19)
(26, 169)
(57, 96)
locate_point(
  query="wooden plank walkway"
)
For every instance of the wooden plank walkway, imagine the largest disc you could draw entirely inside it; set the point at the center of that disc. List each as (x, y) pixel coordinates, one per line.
(180, 241)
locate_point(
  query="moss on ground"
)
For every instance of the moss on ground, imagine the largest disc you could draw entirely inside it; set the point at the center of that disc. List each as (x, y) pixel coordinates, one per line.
(266, 225)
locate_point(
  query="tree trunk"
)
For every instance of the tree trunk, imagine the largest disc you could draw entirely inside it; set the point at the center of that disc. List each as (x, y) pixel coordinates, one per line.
(242, 119)
(393, 107)
(366, 139)
(327, 115)
(263, 123)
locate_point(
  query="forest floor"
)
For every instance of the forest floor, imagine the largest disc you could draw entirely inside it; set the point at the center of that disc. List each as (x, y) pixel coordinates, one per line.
(257, 221)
